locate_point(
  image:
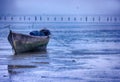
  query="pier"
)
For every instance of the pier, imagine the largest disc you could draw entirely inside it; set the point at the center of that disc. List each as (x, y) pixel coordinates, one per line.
(88, 19)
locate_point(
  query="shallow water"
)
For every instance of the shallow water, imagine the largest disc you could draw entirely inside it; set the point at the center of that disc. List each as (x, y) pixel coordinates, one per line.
(75, 53)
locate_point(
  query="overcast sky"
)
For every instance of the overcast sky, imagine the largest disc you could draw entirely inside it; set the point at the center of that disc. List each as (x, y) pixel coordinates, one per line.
(60, 6)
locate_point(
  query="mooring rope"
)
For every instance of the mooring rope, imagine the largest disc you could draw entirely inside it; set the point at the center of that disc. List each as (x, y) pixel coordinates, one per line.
(8, 26)
(65, 45)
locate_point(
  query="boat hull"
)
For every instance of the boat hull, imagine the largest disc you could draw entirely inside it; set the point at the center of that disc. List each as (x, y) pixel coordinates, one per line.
(25, 43)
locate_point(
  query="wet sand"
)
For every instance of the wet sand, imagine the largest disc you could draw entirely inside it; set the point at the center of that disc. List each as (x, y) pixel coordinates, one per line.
(70, 59)
(39, 68)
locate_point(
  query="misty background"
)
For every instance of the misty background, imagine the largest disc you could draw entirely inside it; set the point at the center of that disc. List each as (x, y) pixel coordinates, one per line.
(61, 7)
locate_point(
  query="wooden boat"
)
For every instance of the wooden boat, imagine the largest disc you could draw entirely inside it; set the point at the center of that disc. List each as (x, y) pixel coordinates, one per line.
(24, 43)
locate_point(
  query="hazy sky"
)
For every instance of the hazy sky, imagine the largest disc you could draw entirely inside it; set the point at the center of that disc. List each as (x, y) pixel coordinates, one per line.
(60, 6)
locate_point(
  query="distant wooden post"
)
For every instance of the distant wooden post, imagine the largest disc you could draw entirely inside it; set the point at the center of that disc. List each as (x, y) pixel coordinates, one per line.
(80, 19)
(35, 18)
(86, 19)
(99, 19)
(61, 18)
(40, 18)
(115, 19)
(107, 19)
(74, 18)
(47, 18)
(54, 18)
(110, 18)
(0, 18)
(20, 18)
(24, 17)
(11, 18)
(93, 19)
(29, 18)
(68, 18)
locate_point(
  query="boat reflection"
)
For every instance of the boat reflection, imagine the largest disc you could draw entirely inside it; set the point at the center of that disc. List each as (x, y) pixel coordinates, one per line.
(15, 69)
(26, 62)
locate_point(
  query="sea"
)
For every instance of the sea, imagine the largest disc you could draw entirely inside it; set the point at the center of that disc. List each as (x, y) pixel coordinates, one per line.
(75, 53)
